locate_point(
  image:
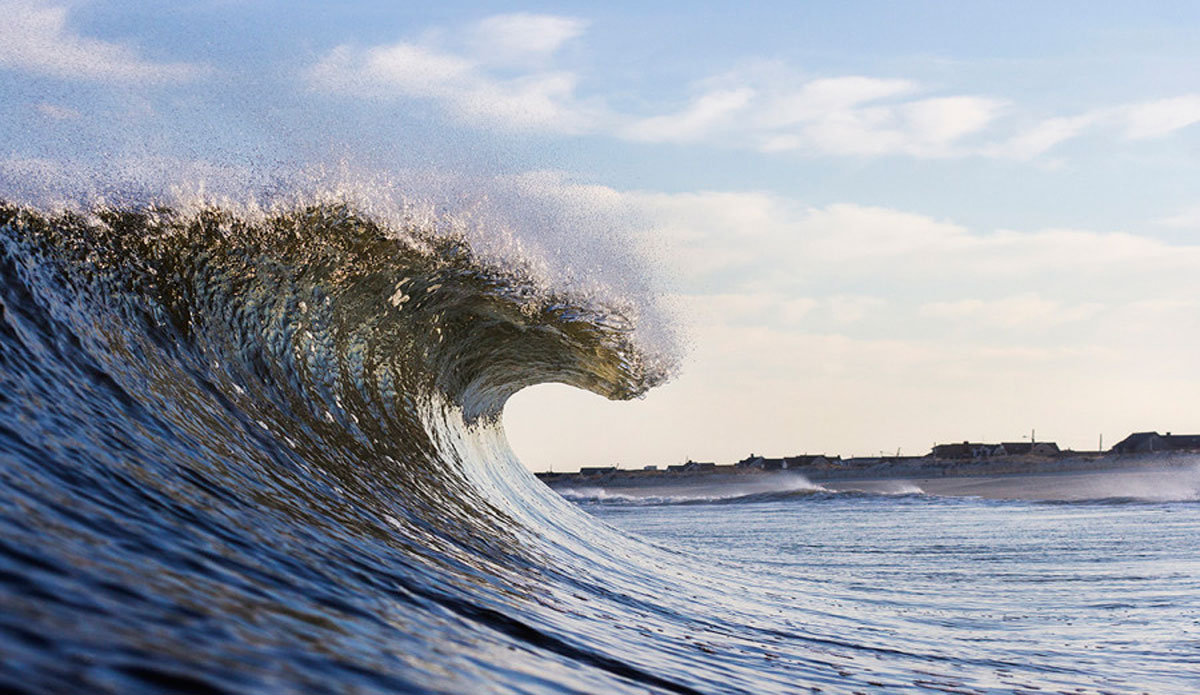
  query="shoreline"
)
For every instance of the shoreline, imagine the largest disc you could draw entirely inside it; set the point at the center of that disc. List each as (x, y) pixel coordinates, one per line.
(1167, 474)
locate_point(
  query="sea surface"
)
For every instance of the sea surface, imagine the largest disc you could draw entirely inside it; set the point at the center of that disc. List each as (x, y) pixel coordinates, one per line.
(264, 453)
(915, 593)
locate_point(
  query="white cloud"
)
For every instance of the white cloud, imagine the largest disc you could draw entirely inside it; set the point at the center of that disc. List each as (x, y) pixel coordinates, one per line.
(743, 308)
(818, 98)
(722, 242)
(1136, 121)
(1029, 309)
(1156, 119)
(852, 309)
(855, 234)
(752, 241)
(1034, 141)
(852, 115)
(501, 73)
(867, 117)
(500, 77)
(709, 112)
(852, 329)
(468, 85)
(856, 122)
(868, 241)
(413, 69)
(522, 39)
(921, 128)
(940, 122)
(34, 37)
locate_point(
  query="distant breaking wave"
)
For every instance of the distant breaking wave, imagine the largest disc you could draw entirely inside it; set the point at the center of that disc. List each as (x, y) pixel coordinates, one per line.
(785, 488)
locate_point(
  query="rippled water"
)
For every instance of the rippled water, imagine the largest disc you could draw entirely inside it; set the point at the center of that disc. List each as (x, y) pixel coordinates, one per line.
(264, 454)
(921, 594)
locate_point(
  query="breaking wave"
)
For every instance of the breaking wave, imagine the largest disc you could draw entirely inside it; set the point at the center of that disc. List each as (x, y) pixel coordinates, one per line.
(262, 453)
(813, 493)
(279, 434)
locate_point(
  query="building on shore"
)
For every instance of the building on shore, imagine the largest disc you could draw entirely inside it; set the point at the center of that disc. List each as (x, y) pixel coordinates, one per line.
(1136, 443)
(814, 460)
(1028, 449)
(751, 461)
(979, 450)
(965, 450)
(784, 463)
(692, 466)
(1150, 442)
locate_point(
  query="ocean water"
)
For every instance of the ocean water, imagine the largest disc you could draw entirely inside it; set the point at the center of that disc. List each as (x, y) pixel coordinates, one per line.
(264, 454)
(915, 593)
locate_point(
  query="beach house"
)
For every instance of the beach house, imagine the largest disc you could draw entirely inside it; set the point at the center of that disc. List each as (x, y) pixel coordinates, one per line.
(1149, 442)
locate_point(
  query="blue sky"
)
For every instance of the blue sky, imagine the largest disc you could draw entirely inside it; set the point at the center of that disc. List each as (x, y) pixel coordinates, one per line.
(879, 224)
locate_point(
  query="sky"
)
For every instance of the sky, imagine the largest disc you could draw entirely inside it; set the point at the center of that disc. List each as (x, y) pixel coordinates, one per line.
(874, 225)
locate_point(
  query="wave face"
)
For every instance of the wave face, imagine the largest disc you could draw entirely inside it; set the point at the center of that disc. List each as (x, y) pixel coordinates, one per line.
(263, 454)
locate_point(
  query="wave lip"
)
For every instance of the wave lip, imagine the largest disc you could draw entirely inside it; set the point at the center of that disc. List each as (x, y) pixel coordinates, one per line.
(417, 300)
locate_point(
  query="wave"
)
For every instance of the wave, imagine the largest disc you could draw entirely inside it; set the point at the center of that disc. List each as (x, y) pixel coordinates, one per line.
(588, 496)
(292, 418)
(263, 453)
(794, 488)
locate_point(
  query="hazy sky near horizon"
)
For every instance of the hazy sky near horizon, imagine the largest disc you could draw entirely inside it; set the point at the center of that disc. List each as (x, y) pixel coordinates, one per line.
(878, 225)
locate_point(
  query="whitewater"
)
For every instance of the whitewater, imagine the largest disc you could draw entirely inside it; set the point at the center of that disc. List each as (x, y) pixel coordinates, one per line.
(265, 454)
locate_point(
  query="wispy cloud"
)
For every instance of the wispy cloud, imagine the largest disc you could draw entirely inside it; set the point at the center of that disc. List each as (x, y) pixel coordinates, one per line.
(757, 244)
(1043, 136)
(864, 116)
(35, 38)
(851, 115)
(1156, 119)
(505, 73)
(499, 73)
(812, 100)
(1146, 120)
(522, 39)
(714, 111)
(1028, 309)
(468, 83)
